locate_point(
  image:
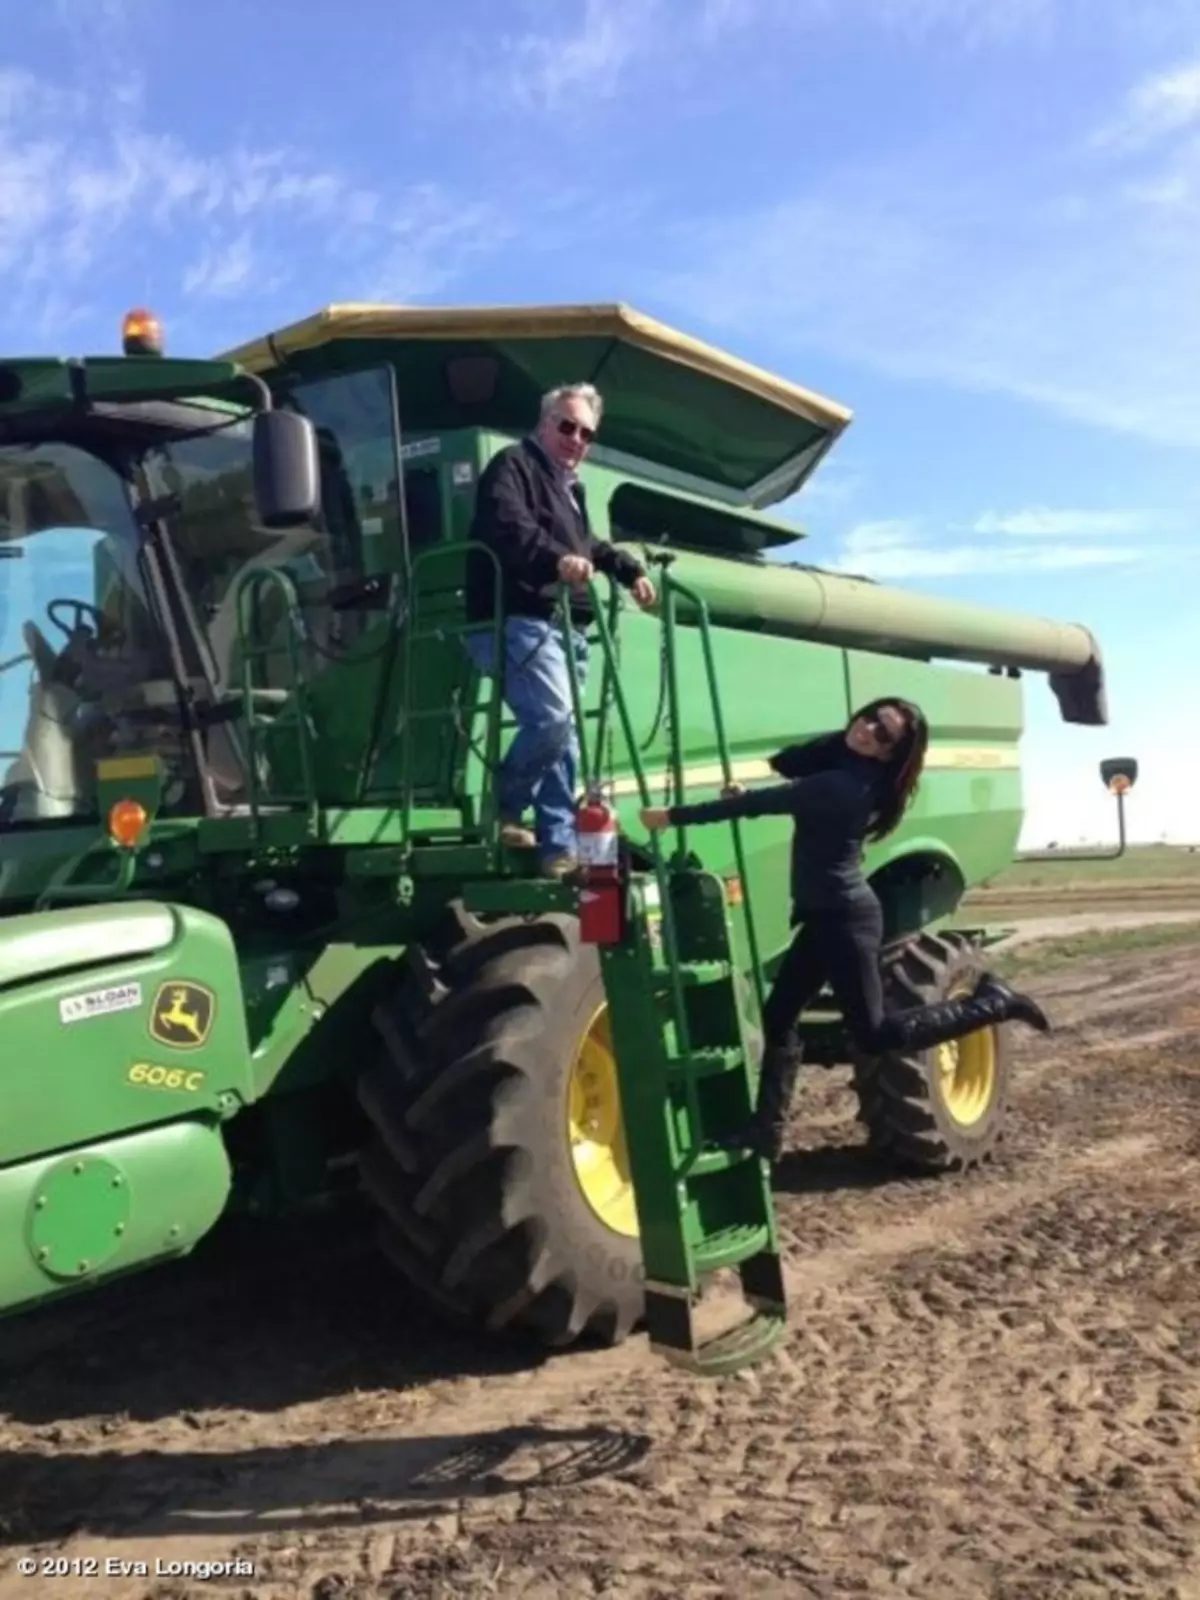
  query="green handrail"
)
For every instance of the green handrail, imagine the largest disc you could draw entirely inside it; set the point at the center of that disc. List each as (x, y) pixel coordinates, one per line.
(246, 586)
(412, 637)
(609, 681)
(710, 667)
(61, 891)
(670, 941)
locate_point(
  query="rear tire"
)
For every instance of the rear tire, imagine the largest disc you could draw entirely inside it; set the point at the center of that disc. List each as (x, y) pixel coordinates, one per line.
(473, 1166)
(943, 1109)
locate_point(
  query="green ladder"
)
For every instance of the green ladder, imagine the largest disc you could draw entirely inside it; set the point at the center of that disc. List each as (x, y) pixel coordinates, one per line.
(679, 1026)
(679, 1031)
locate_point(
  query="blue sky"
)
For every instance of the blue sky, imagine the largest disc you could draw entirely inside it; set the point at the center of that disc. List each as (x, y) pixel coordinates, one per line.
(973, 221)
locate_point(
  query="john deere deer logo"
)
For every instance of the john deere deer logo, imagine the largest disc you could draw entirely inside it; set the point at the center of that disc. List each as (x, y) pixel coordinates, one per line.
(182, 1015)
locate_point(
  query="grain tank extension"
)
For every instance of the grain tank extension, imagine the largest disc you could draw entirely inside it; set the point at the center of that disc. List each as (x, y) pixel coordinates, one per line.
(260, 945)
(857, 614)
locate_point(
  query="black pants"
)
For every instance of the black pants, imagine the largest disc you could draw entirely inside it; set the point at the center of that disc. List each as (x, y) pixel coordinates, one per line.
(841, 946)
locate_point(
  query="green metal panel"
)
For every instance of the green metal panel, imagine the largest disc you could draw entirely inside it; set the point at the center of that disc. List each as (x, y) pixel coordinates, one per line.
(70, 1219)
(309, 1007)
(122, 1040)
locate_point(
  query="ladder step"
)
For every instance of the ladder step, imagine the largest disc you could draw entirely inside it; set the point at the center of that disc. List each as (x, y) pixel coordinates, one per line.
(738, 1347)
(716, 1161)
(727, 1246)
(708, 1063)
(693, 974)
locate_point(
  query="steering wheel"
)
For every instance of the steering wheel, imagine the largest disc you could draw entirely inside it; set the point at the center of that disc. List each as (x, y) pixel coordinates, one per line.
(81, 608)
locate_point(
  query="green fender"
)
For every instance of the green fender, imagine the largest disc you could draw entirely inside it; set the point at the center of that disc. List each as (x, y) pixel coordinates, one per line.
(919, 883)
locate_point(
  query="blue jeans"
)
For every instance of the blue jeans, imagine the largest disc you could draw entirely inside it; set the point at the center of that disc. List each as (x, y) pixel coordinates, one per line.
(541, 764)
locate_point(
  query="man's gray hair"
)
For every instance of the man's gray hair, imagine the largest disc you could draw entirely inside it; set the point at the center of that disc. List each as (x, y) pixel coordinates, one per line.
(573, 391)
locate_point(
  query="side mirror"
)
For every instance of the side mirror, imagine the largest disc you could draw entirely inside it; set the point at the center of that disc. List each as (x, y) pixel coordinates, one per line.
(1119, 774)
(287, 473)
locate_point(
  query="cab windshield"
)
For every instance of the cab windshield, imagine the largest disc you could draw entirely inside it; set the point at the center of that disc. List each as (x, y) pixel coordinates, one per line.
(81, 658)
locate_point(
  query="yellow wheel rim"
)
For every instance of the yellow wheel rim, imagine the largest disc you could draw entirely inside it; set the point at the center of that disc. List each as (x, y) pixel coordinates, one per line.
(966, 1070)
(597, 1130)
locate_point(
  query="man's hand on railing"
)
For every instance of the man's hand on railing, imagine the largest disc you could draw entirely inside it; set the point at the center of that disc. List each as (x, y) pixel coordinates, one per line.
(731, 790)
(575, 569)
(654, 818)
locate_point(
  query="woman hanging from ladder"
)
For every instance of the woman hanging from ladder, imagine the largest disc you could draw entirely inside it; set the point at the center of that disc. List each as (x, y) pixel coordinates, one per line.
(842, 789)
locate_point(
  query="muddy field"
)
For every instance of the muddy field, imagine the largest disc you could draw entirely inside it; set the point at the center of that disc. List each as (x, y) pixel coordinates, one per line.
(991, 1390)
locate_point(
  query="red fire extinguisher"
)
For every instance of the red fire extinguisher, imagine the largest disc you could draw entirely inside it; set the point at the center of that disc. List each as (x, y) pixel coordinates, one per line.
(601, 897)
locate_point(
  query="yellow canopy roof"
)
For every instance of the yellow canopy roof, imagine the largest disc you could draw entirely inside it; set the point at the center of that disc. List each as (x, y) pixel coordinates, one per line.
(619, 322)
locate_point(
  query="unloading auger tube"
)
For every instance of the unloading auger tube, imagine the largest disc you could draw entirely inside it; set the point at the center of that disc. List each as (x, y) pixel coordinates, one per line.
(857, 614)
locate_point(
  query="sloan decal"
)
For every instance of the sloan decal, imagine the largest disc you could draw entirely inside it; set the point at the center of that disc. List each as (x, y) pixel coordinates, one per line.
(100, 1003)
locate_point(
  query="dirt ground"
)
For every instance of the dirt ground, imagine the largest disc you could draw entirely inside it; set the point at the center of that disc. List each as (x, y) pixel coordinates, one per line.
(991, 1388)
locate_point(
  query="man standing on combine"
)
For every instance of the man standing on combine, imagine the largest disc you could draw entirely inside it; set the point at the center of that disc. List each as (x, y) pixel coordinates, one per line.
(531, 512)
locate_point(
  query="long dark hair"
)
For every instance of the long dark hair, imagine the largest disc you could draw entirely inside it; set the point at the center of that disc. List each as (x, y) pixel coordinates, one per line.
(900, 774)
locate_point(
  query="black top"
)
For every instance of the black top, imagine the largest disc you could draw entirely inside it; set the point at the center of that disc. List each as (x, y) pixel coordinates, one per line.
(526, 512)
(832, 794)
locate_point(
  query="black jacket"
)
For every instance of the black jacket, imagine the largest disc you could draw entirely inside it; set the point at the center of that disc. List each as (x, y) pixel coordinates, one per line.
(818, 754)
(525, 514)
(832, 795)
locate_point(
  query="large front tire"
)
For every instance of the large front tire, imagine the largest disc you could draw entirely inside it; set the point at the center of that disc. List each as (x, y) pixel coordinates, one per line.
(499, 1162)
(943, 1109)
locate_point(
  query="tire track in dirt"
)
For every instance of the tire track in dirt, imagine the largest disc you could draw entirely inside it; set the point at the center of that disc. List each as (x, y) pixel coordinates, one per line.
(988, 1391)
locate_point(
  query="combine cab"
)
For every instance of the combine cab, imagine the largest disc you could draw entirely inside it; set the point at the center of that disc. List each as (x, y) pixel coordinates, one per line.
(260, 945)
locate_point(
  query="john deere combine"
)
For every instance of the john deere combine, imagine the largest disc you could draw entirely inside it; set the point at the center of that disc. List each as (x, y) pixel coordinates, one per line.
(259, 944)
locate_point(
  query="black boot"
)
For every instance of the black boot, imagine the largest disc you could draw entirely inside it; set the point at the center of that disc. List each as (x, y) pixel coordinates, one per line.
(992, 1002)
(764, 1133)
(1020, 1007)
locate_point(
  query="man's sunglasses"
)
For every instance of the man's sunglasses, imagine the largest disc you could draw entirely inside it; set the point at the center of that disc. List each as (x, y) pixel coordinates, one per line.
(569, 429)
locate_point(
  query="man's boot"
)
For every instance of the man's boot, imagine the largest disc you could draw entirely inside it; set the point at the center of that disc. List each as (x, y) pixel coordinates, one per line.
(764, 1133)
(992, 1002)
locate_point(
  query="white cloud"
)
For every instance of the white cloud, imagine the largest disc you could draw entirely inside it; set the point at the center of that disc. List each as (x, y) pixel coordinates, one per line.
(552, 71)
(907, 547)
(893, 533)
(222, 272)
(573, 58)
(1161, 104)
(1051, 281)
(88, 189)
(1042, 522)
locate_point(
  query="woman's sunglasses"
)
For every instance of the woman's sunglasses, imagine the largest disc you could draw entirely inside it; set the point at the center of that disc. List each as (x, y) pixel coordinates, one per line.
(569, 429)
(883, 734)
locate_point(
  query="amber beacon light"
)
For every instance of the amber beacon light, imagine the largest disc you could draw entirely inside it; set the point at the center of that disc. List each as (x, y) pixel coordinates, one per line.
(126, 823)
(141, 334)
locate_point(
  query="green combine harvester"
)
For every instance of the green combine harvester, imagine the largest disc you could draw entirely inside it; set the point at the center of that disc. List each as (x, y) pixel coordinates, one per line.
(260, 947)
